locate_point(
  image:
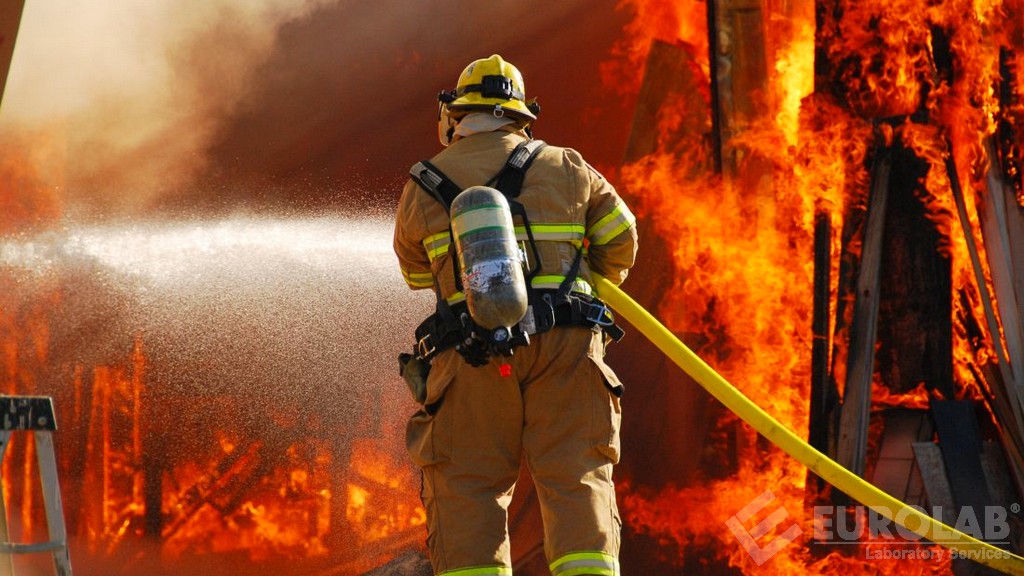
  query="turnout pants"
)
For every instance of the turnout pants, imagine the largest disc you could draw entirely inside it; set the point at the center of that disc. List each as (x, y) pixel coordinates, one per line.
(558, 408)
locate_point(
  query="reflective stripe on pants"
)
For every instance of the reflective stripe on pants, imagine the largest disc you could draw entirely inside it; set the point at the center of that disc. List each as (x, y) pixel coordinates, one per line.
(589, 563)
(479, 571)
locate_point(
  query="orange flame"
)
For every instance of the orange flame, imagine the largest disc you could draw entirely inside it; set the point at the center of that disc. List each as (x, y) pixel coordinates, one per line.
(743, 254)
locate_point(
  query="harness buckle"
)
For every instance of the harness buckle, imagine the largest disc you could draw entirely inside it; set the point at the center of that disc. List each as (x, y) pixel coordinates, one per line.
(425, 347)
(601, 317)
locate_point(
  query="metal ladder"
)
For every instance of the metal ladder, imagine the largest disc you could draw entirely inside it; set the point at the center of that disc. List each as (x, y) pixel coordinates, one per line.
(35, 414)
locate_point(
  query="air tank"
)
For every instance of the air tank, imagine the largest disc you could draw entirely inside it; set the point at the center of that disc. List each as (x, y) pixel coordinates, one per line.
(490, 261)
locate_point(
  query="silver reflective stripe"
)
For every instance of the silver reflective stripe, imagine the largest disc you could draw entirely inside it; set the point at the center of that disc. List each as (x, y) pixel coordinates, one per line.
(611, 225)
(429, 178)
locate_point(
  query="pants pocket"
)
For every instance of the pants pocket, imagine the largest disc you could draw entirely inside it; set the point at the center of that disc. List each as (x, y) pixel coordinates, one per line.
(607, 405)
(428, 437)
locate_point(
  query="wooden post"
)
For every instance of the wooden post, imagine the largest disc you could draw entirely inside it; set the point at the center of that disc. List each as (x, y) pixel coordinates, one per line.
(853, 423)
(824, 395)
(997, 213)
(1015, 386)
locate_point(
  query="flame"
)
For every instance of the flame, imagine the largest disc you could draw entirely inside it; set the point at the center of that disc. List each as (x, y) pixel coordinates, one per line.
(666, 21)
(26, 201)
(882, 397)
(743, 251)
(284, 510)
(31, 169)
(379, 504)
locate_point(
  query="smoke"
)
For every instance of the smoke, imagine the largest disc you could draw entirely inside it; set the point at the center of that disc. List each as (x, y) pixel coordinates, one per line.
(135, 91)
(223, 103)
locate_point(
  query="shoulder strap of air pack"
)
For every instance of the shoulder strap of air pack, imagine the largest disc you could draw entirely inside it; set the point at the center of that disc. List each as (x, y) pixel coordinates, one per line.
(509, 181)
(434, 181)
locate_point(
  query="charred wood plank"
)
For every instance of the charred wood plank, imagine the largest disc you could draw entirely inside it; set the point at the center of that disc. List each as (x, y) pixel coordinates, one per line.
(853, 422)
(1014, 386)
(960, 441)
(824, 395)
(915, 318)
(996, 215)
(1005, 409)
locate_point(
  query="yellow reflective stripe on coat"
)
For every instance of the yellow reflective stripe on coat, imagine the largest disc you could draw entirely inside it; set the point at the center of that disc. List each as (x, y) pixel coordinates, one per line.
(553, 232)
(553, 282)
(479, 571)
(455, 298)
(437, 244)
(598, 563)
(418, 279)
(614, 223)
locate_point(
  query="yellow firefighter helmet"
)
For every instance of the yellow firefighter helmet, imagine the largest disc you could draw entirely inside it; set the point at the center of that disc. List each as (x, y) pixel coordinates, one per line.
(492, 84)
(489, 84)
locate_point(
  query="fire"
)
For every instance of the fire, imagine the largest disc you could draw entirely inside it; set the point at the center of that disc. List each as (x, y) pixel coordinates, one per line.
(30, 178)
(372, 505)
(668, 21)
(237, 495)
(745, 267)
(225, 491)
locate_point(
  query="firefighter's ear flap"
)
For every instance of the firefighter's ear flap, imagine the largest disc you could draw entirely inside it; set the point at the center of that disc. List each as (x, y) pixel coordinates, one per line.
(445, 124)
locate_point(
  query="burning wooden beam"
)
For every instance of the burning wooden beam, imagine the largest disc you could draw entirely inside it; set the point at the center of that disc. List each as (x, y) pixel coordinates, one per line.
(672, 87)
(1001, 218)
(853, 422)
(824, 394)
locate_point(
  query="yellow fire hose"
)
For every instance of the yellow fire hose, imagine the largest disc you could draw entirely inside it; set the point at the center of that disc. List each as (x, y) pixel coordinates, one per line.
(826, 468)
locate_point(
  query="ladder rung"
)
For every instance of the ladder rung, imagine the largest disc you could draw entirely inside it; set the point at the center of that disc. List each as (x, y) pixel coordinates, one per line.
(16, 548)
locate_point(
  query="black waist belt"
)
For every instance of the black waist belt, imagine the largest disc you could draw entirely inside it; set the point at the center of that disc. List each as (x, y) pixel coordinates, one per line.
(443, 330)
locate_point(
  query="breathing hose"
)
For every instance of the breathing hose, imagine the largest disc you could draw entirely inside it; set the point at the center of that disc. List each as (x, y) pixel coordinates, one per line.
(817, 462)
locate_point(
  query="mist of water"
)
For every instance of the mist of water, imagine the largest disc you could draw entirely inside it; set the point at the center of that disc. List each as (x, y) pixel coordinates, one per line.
(245, 323)
(305, 307)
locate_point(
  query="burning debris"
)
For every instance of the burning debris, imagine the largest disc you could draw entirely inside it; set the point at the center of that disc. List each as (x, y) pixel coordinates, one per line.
(895, 101)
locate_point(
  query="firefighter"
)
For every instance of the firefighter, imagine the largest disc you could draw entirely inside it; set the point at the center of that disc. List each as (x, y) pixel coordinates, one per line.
(544, 392)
